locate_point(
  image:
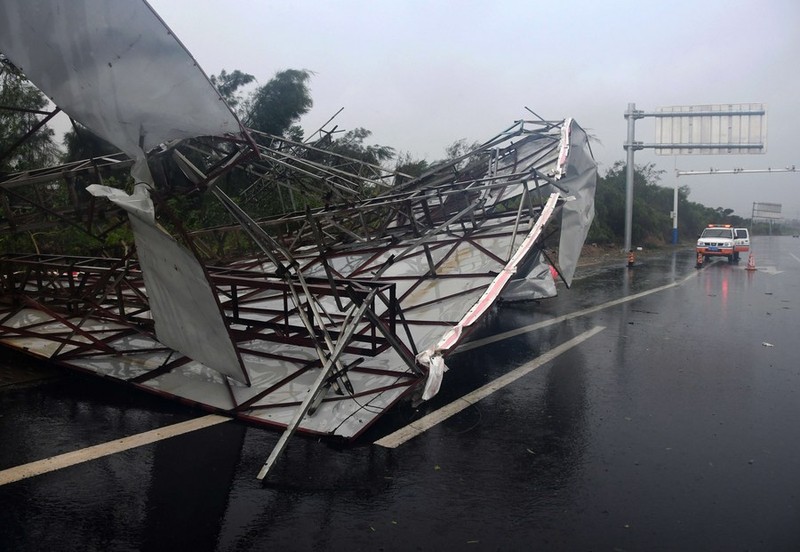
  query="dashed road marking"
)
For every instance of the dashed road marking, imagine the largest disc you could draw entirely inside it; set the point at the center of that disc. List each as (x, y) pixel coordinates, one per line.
(394, 440)
(559, 319)
(65, 460)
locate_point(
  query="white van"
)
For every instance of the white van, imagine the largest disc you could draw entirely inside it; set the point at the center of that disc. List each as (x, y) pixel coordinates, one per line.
(722, 240)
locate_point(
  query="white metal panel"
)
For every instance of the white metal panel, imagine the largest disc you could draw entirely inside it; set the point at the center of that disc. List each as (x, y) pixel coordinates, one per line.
(767, 210)
(700, 129)
(115, 67)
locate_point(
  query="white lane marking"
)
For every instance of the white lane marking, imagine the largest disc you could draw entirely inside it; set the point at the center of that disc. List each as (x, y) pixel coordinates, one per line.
(393, 440)
(65, 460)
(577, 314)
(795, 257)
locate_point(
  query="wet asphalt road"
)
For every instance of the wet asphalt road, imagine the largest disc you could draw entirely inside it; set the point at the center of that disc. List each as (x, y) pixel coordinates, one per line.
(673, 428)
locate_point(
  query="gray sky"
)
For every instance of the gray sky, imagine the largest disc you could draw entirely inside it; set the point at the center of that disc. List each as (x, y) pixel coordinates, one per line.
(421, 75)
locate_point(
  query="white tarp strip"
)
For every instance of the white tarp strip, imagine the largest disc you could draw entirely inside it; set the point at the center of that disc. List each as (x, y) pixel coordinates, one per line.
(449, 340)
(436, 369)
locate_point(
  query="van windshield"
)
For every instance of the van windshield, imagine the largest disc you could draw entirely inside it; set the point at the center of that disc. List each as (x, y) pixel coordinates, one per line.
(717, 233)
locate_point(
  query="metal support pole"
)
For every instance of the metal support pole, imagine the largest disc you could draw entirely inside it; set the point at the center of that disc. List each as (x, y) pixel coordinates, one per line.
(675, 217)
(629, 146)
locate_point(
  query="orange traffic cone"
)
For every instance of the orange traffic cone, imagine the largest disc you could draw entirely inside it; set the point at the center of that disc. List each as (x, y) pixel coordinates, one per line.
(751, 263)
(699, 261)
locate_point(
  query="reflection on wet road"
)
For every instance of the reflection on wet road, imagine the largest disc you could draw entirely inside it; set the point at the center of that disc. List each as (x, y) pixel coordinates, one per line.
(673, 428)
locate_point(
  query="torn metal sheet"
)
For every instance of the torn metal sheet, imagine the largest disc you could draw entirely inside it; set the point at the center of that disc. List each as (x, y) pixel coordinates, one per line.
(115, 67)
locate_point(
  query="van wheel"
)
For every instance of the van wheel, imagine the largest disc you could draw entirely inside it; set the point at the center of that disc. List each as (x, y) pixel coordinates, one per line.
(730, 258)
(736, 257)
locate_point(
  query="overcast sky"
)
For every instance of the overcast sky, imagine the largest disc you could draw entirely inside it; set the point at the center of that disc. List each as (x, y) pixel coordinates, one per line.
(423, 74)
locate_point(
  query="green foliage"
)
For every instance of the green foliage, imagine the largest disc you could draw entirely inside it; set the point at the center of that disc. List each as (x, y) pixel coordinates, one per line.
(82, 143)
(652, 205)
(276, 106)
(16, 92)
(229, 84)
(352, 145)
(459, 148)
(409, 165)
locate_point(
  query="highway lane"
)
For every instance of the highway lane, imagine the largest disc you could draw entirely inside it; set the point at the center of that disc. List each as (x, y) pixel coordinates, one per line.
(671, 428)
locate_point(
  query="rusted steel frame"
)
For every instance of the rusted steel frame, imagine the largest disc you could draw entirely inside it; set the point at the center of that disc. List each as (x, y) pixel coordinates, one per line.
(415, 228)
(298, 335)
(392, 313)
(352, 216)
(247, 280)
(85, 295)
(276, 318)
(405, 354)
(13, 312)
(133, 289)
(555, 265)
(390, 201)
(338, 190)
(436, 172)
(451, 296)
(161, 370)
(63, 320)
(334, 398)
(522, 201)
(34, 129)
(314, 224)
(384, 372)
(298, 236)
(429, 235)
(114, 334)
(473, 240)
(275, 356)
(398, 313)
(64, 267)
(270, 247)
(76, 330)
(58, 337)
(311, 301)
(331, 220)
(38, 176)
(327, 371)
(104, 311)
(376, 168)
(225, 165)
(49, 211)
(368, 263)
(23, 109)
(549, 145)
(247, 405)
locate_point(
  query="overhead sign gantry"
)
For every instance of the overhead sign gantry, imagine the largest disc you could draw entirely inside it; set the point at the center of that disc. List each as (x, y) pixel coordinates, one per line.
(719, 129)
